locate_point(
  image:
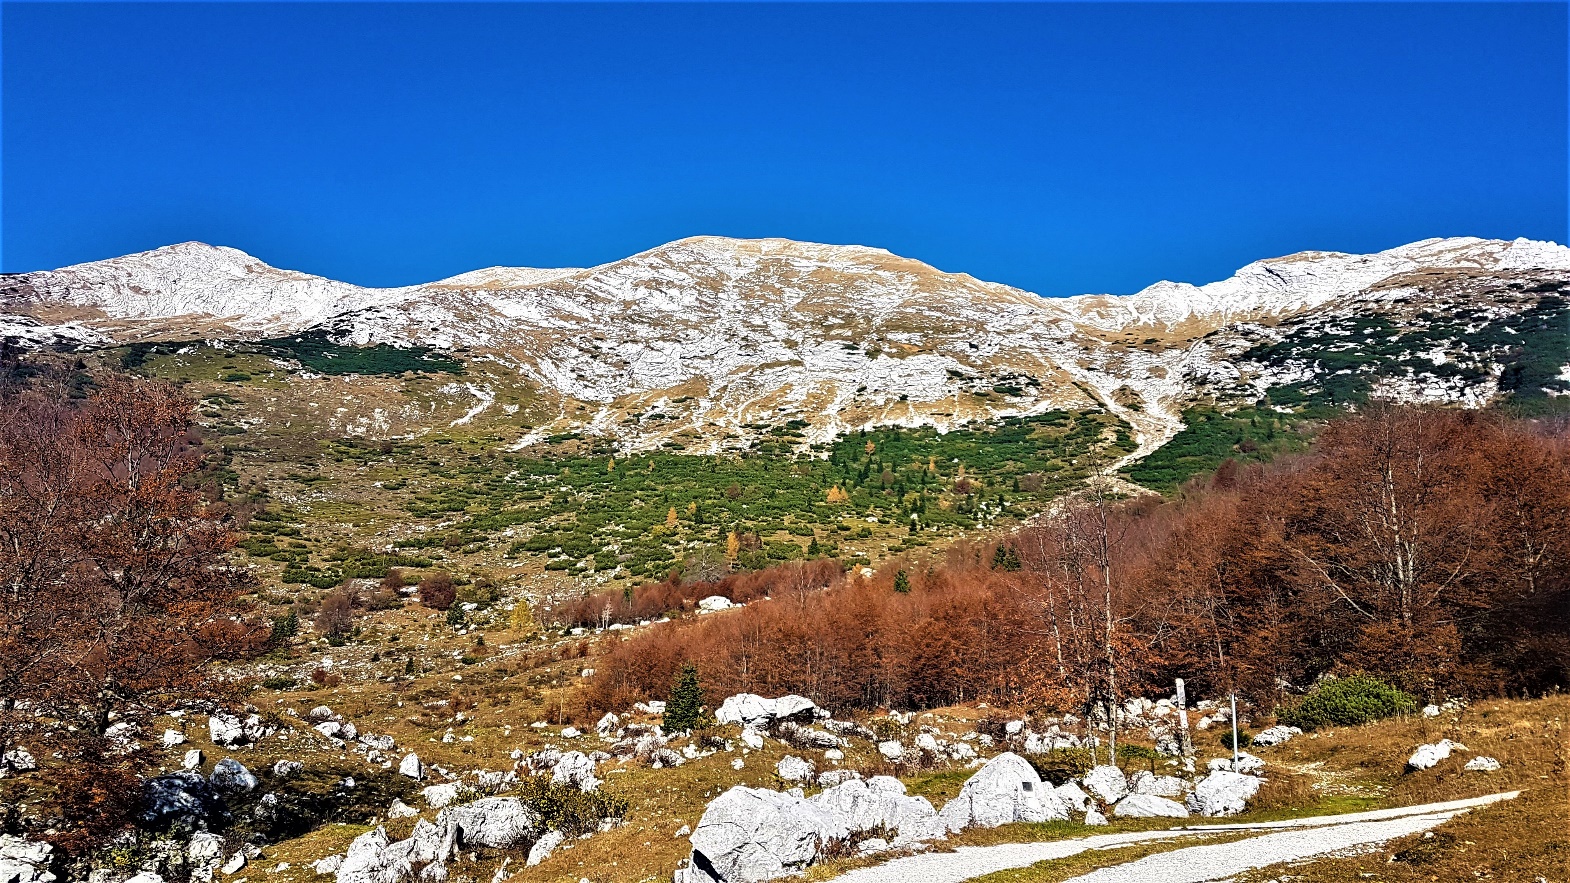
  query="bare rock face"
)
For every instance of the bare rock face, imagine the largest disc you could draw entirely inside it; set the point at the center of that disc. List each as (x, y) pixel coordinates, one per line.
(748, 835)
(1007, 789)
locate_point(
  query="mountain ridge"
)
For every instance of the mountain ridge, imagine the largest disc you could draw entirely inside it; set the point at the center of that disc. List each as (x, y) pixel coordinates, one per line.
(719, 335)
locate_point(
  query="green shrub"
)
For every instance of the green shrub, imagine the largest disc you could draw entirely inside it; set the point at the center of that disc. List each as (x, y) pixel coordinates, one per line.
(564, 808)
(1243, 738)
(1062, 764)
(1128, 754)
(1348, 701)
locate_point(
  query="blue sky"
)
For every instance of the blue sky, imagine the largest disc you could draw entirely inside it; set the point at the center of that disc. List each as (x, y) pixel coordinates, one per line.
(1063, 148)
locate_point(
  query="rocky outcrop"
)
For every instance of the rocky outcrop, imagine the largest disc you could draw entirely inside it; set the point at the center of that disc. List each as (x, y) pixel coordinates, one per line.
(1006, 789)
(181, 802)
(752, 710)
(748, 835)
(495, 822)
(881, 801)
(24, 861)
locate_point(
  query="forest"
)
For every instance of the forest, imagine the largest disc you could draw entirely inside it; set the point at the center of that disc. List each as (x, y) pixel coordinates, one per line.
(1427, 547)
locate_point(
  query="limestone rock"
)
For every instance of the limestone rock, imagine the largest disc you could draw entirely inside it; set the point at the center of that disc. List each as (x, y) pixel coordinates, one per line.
(226, 731)
(1072, 796)
(1146, 782)
(576, 769)
(1006, 789)
(24, 861)
(542, 848)
(1276, 735)
(862, 805)
(1107, 783)
(748, 835)
(1427, 756)
(230, 776)
(497, 822)
(411, 767)
(1149, 806)
(1482, 764)
(794, 769)
(1223, 793)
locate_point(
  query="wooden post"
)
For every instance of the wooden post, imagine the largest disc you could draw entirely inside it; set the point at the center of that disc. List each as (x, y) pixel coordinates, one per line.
(1185, 741)
(1234, 732)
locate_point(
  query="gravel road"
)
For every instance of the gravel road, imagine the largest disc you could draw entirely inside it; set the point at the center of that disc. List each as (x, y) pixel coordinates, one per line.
(1285, 841)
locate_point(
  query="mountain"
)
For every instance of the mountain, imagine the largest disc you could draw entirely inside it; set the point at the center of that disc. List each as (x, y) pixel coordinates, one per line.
(707, 341)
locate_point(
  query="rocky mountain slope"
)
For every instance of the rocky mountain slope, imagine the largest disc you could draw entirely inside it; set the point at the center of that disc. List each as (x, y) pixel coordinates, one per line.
(707, 340)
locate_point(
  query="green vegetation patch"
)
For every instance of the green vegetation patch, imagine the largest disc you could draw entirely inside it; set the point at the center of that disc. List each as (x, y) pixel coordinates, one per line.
(320, 353)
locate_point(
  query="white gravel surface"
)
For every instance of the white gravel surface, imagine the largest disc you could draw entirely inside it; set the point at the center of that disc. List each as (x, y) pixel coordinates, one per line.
(1284, 841)
(1221, 861)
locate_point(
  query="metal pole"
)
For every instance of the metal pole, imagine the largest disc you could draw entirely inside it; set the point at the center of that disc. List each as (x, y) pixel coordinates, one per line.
(1185, 741)
(1234, 731)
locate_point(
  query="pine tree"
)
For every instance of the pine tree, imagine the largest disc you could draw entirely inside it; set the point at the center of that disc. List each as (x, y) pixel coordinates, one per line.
(684, 709)
(455, 616)
(284, 628)
(902, 583)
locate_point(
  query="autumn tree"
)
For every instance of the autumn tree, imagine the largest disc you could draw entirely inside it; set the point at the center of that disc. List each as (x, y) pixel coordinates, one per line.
(438, 591)
(118, 591)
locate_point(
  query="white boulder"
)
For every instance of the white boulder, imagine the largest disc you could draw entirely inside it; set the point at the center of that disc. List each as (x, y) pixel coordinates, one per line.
(226, 731)
(865, 804)
(794, 769)
(576, 769)
(748, 835)
(438, 796)
(1223, 793)
(1149, 806)
(171, 738)
(1426, 756)
(715, 603)
(1107, 783)
(1275, 735)
(193, 759)
(1006, 789)
(401, 810)
(1072, 796)
(411, 767)
(495, 822)
(1146, 782)
(1094, 818)
(1482, 764)
(543, 847)
(230, 776)
(1246, 763)
(891, 750)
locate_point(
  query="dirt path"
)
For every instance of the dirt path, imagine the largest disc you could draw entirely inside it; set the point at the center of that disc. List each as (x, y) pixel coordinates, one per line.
(1290, 840)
